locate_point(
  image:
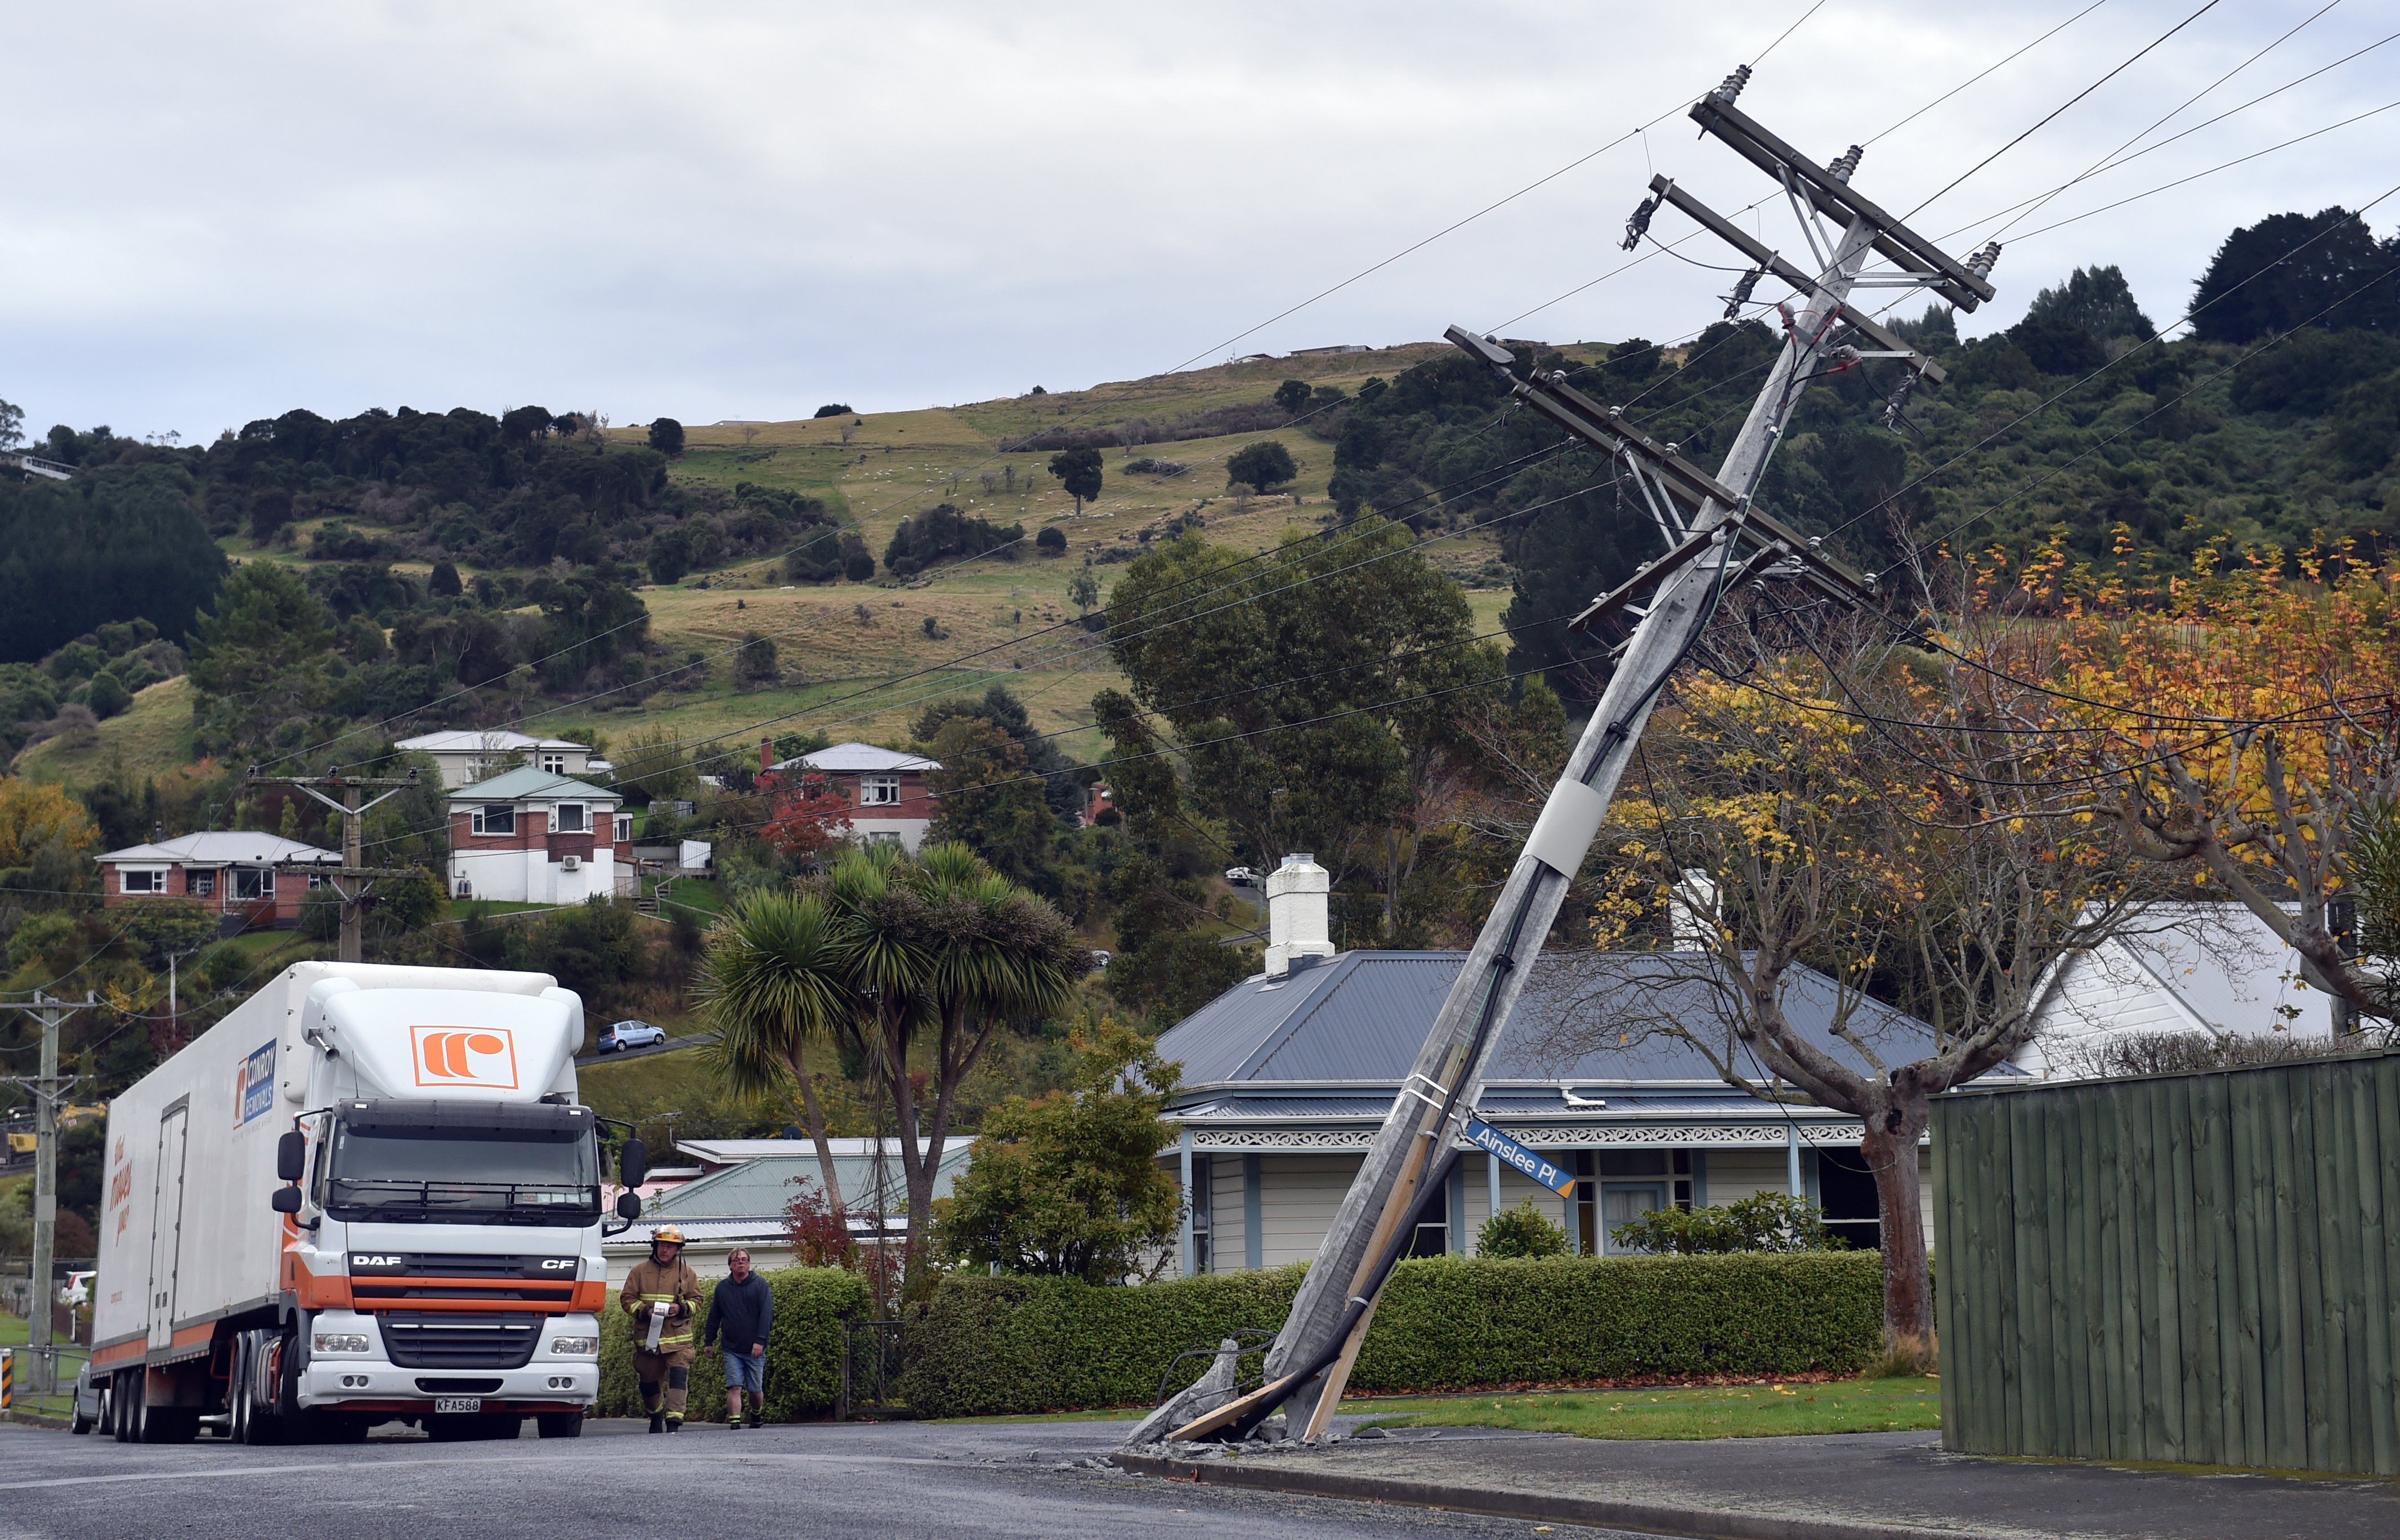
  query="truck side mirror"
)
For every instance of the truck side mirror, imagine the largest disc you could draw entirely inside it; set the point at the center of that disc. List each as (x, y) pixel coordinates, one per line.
(633, 1163)
(291, 1156)
(286, 1200)
(628, 1206)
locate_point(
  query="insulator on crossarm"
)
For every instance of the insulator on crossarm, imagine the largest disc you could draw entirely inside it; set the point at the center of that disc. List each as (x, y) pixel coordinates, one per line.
(1740, 295)
(1640, 224)
(1848, 164)
(1981, 263)
(1894, 409)
(1733, 85)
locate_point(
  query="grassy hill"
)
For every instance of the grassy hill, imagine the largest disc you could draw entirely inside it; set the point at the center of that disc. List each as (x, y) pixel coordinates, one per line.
(847, 638)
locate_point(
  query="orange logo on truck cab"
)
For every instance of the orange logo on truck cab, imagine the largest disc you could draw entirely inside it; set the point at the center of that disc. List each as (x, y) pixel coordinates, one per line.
(483, 1056)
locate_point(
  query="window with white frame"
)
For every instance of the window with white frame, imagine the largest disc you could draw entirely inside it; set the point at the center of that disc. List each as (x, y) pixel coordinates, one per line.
(253, 882)
(141, 879)
(496, 818)
(878, 791)
(570, 818)
(201, 884)
(623, 832)
(553, 762)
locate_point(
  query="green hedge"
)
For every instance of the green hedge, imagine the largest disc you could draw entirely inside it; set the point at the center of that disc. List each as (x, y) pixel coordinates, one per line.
(1448, 1322)
(987, 1346)
(803, 1350)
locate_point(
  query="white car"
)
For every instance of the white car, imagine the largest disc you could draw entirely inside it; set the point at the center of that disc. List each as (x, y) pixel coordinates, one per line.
(630, 1034)
(1241, 877)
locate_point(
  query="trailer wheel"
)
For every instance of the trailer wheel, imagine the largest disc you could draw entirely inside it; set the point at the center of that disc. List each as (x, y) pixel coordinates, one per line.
(559, 1424)
(120, 1408)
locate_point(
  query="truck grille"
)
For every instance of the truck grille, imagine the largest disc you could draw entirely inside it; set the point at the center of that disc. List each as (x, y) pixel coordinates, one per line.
(451, 1342)
(385, 1278)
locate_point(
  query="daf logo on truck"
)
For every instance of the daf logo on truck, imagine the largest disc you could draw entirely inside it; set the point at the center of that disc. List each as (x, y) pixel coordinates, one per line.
(484, 1058)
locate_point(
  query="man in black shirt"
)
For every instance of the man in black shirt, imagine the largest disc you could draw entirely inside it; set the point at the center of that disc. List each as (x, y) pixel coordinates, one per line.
(742, 1311)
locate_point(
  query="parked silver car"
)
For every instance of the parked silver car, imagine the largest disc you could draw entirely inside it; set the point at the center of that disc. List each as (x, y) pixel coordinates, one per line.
(630, 1034)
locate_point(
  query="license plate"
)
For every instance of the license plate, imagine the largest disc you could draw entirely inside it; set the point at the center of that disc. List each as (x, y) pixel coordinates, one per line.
(457, 1403)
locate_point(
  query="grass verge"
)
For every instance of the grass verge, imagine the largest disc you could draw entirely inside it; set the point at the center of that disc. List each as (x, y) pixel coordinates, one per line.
(1713, 1412)
(1666, 1412)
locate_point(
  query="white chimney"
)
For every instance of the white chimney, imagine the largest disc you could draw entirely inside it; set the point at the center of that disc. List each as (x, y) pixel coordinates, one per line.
(1692, 911)
(1297, 922)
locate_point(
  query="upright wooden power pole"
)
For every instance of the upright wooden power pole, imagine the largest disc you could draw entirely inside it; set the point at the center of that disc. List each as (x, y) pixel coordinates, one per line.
(352, 878)
(1718, 539)
(49, 1092)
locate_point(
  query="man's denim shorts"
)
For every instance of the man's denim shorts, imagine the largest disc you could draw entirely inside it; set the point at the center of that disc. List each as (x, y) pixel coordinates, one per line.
(747, 1371)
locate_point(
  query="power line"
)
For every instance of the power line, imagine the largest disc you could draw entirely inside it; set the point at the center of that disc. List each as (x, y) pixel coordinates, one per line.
(2120, 69)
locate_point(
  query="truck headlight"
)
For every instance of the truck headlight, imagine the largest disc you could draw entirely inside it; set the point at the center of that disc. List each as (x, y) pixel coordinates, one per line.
(574, 1347)
(338, 1342)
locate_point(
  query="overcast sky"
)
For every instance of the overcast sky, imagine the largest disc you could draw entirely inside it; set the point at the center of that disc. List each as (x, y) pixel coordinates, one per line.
(746, 210)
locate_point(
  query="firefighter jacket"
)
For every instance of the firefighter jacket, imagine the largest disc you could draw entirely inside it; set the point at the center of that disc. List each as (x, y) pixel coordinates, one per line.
(674, 1285)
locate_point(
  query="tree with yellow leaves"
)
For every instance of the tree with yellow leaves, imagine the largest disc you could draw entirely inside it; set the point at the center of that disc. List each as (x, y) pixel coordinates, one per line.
(2246, 715)
(1906, 830)
(35, 817)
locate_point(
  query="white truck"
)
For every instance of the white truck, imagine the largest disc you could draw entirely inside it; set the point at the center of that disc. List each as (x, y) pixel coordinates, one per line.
(367, 1195)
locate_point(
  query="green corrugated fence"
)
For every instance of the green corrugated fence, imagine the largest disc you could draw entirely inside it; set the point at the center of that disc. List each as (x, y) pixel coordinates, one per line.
(2191, 1268)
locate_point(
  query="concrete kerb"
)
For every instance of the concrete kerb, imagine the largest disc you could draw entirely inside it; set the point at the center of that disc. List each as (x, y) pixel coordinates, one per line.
(34, 1418)
(1699, 1523)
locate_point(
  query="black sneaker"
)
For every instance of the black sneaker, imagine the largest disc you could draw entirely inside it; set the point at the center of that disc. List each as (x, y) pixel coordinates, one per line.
(674, 1424)
(658, 1422)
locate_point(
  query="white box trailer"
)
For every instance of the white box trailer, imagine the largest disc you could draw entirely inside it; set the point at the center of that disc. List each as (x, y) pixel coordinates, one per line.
(367, 1194)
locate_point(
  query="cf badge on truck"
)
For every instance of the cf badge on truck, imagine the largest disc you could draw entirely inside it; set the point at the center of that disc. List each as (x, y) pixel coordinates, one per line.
(484, 1058)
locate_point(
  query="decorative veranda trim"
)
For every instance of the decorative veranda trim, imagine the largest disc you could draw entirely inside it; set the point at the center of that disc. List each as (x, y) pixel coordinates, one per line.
(1755, 1135)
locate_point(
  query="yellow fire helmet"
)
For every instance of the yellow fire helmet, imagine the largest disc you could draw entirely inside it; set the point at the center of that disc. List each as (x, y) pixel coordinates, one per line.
(670, 1234)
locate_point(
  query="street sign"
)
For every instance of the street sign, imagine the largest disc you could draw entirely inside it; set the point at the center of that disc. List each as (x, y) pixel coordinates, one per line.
(1485, 1137)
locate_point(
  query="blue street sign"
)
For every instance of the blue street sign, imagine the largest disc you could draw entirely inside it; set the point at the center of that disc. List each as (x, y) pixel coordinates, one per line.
(1485, 1137)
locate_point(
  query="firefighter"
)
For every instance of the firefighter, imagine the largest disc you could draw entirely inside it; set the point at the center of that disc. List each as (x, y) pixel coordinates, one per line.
(661, 1284)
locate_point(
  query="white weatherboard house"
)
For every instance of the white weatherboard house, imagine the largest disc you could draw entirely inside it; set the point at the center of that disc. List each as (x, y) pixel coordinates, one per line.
(477, 754)
(529, 837)
(740, 1196)
(2177, 968)
(1288, 1075)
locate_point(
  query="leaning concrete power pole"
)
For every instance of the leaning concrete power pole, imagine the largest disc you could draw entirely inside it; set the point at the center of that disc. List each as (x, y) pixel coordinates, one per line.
(1718, 539)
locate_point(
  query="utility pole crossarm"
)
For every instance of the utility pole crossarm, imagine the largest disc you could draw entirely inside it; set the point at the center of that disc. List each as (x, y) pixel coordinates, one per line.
(1777, 265)
(1833, 196)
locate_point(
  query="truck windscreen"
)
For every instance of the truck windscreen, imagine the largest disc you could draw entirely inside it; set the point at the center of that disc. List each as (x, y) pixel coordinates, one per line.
(471, 1175)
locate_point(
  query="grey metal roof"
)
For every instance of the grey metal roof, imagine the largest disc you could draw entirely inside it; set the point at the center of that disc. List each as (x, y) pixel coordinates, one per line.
(225, 847)
(526, 783)
(761, 1187)
(1360, 1018)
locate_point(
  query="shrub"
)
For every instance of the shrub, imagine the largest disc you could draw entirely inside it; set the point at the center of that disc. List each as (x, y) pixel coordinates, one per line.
(1148, 467)
(1523, 1230)
(985, 1346)
(1051, 541)
(666, 436)
(834, 409)
(1764, 1222)
(1265, 464)
(106, 695)
(803, 1349)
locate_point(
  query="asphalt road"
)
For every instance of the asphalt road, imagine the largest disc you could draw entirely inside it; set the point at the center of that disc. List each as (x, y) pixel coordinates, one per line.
(894, 1481)
(672, 1044)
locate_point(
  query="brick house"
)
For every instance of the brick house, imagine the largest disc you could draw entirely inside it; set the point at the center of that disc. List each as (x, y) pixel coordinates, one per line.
(885, 785)
(231, 870)
(530, 836)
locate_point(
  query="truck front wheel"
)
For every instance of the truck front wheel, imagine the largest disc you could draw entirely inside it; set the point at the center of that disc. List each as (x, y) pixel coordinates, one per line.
(559, 1424)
